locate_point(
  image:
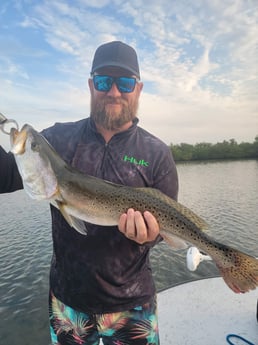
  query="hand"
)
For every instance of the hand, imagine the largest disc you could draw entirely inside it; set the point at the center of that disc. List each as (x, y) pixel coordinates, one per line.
(137, 227)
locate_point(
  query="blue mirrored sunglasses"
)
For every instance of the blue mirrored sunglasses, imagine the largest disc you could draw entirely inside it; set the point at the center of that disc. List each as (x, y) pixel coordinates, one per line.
(103, 83)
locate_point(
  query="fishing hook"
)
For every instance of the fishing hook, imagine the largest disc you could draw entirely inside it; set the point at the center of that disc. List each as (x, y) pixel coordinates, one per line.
(4, 121)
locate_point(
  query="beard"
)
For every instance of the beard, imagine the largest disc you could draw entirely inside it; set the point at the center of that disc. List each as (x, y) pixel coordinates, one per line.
(113, 120)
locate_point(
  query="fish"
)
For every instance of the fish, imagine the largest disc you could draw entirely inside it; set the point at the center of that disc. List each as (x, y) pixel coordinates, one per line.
(83, 198)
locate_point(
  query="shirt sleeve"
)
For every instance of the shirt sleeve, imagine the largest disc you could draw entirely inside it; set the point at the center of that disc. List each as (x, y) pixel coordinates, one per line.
(10, 179)
(166, 177)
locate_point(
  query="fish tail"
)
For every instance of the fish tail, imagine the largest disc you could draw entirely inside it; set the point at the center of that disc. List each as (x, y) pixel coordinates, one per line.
(239, 271)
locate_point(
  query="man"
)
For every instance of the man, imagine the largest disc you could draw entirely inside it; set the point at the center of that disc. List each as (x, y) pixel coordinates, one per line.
(101, 284)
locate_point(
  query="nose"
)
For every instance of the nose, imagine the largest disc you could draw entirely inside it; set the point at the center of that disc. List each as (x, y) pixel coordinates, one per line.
(114, 92)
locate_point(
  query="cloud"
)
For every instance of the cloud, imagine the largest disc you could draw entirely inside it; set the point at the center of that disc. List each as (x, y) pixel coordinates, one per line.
(199, 120)
(198, 62)
(9, 68)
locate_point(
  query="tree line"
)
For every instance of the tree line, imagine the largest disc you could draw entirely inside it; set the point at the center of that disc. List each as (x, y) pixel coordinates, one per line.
(222, 150)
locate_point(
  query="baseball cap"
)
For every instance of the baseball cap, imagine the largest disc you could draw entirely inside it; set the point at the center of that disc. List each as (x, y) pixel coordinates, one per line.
(116, 54)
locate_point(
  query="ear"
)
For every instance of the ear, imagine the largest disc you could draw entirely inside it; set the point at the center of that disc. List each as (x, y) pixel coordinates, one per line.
(139, 87)
(91, 85)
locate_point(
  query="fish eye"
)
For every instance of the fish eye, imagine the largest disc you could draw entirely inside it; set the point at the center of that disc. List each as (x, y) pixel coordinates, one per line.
(34, 146)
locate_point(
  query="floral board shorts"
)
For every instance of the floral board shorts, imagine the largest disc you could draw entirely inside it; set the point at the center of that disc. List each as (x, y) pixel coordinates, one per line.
(138, 326)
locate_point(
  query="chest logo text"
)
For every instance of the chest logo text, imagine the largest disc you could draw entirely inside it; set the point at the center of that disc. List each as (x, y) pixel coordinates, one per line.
(133, 160)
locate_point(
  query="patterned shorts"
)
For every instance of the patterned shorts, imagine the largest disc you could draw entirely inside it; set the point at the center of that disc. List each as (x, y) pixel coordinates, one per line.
(137, 326)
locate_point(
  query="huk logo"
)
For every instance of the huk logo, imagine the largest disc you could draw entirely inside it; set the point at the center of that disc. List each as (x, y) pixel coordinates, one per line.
(133, 160)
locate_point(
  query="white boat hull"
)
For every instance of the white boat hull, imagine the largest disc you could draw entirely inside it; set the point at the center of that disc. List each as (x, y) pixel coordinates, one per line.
(205, 312)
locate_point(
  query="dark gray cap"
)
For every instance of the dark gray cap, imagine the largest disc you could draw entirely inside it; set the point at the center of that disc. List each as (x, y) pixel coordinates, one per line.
(116, 54)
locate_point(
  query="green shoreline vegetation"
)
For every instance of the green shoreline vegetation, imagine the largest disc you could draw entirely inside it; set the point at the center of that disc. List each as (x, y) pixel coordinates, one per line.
(222, 150)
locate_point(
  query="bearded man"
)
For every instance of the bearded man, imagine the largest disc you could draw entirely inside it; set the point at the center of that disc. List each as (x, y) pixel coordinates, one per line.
(101, 285)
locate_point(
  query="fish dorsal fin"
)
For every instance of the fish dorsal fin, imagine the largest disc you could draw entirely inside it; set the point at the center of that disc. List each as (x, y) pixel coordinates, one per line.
(181, 209)
(74, 222)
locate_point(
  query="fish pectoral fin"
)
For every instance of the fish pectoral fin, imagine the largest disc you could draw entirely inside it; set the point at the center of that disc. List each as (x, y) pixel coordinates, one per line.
(74, 222)
(173, 241)
(78, 225)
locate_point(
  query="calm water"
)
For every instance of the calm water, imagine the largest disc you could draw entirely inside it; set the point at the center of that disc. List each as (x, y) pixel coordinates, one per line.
(224, 193)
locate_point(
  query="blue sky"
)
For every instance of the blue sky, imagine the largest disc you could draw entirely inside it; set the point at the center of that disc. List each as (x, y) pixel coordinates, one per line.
(198, 62)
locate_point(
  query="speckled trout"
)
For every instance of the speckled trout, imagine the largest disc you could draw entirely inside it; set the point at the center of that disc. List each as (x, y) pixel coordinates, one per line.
(83, 198)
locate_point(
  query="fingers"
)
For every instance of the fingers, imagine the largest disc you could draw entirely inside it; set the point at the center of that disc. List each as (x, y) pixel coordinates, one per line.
(131, 227)
(138, 227)
(152, 225)
(126, 224)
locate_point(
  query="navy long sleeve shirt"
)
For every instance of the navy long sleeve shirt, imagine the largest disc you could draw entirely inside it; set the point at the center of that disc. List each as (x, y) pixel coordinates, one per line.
(103, 271)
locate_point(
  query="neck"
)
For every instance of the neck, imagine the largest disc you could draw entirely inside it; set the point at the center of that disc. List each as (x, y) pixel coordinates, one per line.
(108, 134)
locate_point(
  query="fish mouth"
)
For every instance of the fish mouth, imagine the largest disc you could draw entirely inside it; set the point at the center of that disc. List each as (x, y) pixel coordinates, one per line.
(18, 140)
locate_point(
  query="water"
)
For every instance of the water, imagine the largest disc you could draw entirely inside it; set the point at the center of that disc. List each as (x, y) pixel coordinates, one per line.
(224, 193)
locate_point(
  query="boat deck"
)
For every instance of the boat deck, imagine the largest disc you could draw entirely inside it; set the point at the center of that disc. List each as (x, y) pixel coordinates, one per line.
(204, 312)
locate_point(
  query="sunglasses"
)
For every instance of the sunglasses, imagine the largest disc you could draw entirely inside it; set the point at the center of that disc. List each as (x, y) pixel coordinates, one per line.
(103, 83)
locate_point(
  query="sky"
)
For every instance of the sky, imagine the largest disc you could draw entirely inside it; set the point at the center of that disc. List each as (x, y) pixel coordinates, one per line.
(198, 62)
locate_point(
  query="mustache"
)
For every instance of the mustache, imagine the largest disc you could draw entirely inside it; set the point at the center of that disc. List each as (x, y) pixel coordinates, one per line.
(114, 100)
